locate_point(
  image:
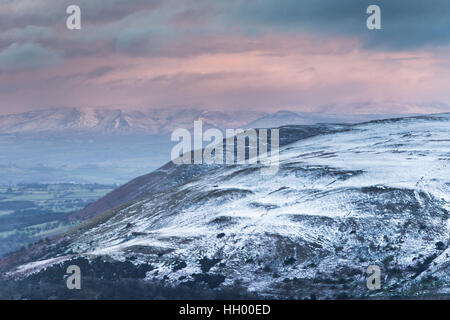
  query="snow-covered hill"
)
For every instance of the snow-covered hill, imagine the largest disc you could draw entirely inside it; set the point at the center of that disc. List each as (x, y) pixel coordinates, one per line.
(284, 118)
(376, 193)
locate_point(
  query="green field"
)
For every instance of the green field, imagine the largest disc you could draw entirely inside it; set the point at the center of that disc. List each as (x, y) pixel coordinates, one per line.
(30, 212)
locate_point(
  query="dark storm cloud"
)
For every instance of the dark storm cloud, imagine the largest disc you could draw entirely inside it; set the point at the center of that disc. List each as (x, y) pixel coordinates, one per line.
(166, 26)
(406, 24)
(101, 11)
(159, 27)
(19, 57)
(22, 13)
(133, 27)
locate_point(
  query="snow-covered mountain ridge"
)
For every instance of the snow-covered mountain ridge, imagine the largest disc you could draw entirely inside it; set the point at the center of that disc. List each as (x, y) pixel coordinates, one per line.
(109, 121)
(158, 121)
(373, 193)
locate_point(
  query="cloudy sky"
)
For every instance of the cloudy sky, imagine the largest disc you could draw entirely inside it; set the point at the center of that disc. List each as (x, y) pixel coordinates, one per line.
(267, 55)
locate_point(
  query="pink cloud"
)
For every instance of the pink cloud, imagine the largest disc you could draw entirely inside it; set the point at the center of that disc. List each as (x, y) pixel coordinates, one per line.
(265, 73)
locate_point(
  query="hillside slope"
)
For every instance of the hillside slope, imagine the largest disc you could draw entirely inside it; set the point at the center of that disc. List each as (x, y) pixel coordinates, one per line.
(375, 193)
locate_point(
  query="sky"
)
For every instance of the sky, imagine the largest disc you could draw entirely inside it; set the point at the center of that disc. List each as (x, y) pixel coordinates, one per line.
(265, 55)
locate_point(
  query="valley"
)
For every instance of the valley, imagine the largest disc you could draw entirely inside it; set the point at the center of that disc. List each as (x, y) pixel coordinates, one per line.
(31, 212)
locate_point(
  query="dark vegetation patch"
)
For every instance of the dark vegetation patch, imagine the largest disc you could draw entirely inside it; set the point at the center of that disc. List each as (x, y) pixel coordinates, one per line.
(148, 250)
(311, 219)
(386, 200)
(223, 221)
(222, 195)
(423, 265)
(289, 261)
(440, 246)
(206, 264)
(212, 280)
(123, 289)
(179, 265)
(97, 268)
(317, 172)
(266, 206)
(246, 171)
(138, 234)
(267, 268)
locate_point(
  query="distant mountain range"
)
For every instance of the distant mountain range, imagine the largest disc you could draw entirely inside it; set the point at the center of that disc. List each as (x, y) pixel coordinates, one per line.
(108, 121)
(156, 122)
